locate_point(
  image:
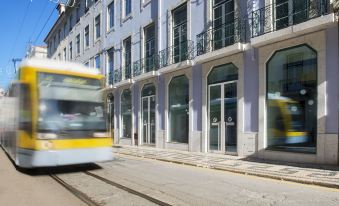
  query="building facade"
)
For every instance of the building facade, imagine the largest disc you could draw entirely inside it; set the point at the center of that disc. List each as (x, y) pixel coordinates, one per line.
(37, 51)
(250, 78)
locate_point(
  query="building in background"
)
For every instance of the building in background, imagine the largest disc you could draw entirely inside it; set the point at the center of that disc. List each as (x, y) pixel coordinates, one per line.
(37, 51)
(248, 78)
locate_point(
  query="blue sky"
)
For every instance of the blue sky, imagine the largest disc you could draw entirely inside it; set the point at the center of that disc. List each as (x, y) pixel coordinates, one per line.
(15, 38)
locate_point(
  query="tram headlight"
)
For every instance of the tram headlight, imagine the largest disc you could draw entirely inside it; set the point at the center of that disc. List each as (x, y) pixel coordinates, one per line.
(47, 136)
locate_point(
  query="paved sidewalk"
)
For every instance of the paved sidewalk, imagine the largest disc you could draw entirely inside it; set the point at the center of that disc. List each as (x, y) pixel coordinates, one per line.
(327, 176)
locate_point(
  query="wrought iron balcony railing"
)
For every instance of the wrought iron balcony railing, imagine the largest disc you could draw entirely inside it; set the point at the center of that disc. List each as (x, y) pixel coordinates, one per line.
(116, 76)
(176, 53)
(281, 15)
(111, 78)
(146, 65)
(221, 36)
(122, 74)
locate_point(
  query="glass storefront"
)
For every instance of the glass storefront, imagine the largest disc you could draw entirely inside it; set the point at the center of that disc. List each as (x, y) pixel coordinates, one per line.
(126, 114)
(148, 113)
(292, 100)
(222, 89)
(178, 109)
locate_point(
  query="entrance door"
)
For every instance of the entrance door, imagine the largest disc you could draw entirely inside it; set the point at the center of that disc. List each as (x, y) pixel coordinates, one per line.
(223, 117)
(148, 119)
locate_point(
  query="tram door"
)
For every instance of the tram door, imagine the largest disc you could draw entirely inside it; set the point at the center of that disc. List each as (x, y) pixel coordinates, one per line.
(223, 117)
(148, 119)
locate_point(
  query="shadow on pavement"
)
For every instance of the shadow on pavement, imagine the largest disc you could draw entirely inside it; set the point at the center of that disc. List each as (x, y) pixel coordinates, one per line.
(59, 169)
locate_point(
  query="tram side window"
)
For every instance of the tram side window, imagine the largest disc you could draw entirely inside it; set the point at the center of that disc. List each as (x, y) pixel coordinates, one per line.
(25, 115)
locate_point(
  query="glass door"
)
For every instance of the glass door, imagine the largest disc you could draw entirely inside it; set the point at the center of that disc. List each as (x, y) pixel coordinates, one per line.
(215, 117)
(230, 116)
(148, 119)
(223, 117)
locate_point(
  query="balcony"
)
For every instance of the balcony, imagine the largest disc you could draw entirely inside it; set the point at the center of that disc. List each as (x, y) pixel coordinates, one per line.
(122, 76)
(221, 37)
(176, 57)
(146, 67)
(288, 17)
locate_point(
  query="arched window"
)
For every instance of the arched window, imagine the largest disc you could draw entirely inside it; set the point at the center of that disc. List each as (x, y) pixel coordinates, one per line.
(126, 113)
(223, 73)
(178, 109)
(292, 100)
(148, 90)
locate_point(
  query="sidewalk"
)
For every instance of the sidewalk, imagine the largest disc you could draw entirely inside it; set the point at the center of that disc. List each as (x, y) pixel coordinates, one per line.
(327, 176)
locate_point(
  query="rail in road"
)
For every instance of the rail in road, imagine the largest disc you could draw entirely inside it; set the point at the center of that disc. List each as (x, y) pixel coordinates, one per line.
(89, 201)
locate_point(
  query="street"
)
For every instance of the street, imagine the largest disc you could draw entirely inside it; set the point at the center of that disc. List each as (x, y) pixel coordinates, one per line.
(169, 183)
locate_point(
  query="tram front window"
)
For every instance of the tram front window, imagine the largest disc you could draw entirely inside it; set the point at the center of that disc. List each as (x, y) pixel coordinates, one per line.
(71, 115)
(72, 106)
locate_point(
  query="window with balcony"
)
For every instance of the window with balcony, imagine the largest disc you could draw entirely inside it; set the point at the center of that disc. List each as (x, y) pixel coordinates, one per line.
(127, 46)
(78, 13)
(110, 64)
(285, 13)
(97, 27)
(223, 23)
(77, 42)
(150, 59)
(97, 61)
(86, 34)
(70, 22)
(64, 54)
(180, 34)
(110, 15)
(70, 51)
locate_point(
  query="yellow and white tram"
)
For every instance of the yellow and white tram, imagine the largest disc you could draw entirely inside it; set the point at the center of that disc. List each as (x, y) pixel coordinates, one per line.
(54, 114)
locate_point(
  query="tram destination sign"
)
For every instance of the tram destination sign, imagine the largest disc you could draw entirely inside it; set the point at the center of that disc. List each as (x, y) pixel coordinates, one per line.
(57, 79)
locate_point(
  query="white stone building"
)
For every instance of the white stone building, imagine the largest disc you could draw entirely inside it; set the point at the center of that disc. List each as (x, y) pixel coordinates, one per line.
(249, 78)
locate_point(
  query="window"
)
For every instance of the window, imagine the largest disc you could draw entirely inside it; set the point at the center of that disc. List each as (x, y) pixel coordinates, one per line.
(60, 36)
(178, 109)
(128, 7)
(87, 5)
(87, 36)
(110, 15)
(127, 57)
(65, 28)
(97, 27)
(180, 33)
(70, 22)
(77, 39)
(70, 51)
(64, 54)
(78, 12)
(223, 23)
(292, 100)
(110, 59)
(126, 113)
(149, 48)
(97, 61)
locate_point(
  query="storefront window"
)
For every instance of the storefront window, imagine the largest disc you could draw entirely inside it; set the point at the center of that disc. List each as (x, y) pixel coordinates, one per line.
(126, 113)
(178, 109)
(292, 100)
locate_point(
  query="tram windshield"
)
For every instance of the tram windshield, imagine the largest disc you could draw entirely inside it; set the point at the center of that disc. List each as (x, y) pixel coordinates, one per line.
(69, 103)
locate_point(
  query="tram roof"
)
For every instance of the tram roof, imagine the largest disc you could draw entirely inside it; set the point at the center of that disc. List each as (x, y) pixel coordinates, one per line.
(51, 64)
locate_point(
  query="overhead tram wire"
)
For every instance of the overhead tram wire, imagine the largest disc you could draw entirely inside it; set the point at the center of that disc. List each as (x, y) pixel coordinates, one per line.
(37, 38)
(39, 19)
(20, 28)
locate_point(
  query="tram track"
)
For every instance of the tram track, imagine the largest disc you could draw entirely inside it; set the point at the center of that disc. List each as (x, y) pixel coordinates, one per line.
(89, 201)
(82, 196)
